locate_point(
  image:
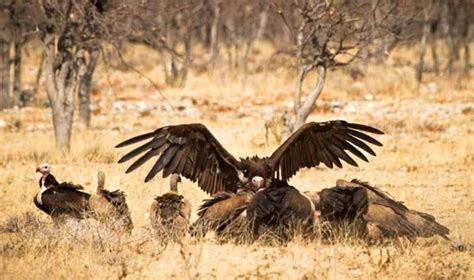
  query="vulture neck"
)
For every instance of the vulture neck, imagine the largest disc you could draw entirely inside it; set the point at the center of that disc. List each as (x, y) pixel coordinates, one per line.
(100, 182)
(47, 181)
(174, 183)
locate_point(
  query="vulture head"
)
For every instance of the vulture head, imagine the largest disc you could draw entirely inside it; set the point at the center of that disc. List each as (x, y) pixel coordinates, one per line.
(47, 179)
(255, 173)
(44, 169)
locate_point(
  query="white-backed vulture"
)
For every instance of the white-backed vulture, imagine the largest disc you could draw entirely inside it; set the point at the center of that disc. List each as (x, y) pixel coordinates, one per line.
(222, 213)
(110, 207)
(282, 209)
(373, 212)
(170, 213)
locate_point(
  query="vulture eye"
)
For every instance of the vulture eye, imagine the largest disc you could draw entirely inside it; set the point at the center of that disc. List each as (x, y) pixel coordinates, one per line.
(246, 172)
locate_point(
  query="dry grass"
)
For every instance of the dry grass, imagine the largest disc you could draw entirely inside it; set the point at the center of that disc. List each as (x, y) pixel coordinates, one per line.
(427, 162)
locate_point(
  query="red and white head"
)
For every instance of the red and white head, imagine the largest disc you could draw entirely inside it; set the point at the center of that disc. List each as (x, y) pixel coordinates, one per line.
(44, 169)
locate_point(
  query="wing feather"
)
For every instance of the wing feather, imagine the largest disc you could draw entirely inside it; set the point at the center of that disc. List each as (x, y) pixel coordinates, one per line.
(326, 142)
(137, 139)
(163, 161)
(189, 150)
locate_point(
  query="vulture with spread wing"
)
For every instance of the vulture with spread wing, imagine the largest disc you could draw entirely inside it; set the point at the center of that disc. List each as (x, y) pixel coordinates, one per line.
(110, 207)
(170, 213)
(373, 213)
(193, 152)
(60, 200)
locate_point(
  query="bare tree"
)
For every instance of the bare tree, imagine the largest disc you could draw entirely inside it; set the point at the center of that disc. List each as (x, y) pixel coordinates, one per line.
(16, 28)
(431, 20)
(329, 34)
(86, 70)
(6, 38)
(67, 35)
(216, 11)
(170, 27)
(5, 56)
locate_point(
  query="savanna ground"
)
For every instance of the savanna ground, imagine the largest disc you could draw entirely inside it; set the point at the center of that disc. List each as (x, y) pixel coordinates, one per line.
(426, 162)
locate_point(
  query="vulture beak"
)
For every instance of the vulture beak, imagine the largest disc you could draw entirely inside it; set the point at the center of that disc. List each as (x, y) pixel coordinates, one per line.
(257, 181)
(38, 169)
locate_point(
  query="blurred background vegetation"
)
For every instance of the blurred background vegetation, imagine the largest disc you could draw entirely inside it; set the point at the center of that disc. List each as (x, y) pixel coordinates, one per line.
(66, 40)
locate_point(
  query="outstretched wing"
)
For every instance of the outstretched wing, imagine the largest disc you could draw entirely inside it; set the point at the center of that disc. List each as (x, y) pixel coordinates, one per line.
(189, 150)
(326, 142)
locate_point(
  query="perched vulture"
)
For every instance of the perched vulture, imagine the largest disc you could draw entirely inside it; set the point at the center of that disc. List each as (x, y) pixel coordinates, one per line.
(373, 212)
(60, 200)
(192, 151)
(170, 213)
(110, 208)
(282, 209)
(223, 213)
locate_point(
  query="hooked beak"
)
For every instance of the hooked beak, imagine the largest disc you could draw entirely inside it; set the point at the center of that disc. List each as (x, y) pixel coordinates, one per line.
(38, 169)
(258, 181)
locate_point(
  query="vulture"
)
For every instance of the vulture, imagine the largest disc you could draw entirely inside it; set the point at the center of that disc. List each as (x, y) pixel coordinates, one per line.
(60, 200)
(110, 207)
(192, 151)
(373, 213)
(222, 213)
(282, 209)
(170, 213)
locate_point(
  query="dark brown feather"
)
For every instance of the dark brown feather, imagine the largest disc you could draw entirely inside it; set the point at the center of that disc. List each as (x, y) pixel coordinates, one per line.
(170, 214)
(189, 150)
(280, 207)
(221, 212)
(65, 200)
(357, 202)
(326, 142)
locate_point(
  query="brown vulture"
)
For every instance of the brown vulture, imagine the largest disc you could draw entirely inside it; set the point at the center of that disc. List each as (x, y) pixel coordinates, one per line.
(222, 213)
(372, 213)
(193, 152)
(170, 213)
(60, 200)
(110, 207)
(282, 209)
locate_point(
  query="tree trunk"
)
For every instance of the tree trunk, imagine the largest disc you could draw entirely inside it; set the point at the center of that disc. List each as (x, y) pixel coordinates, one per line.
(424, 39)
(85, 82)
(310, 102)
(467, 57)
(5, 96)
(61, 84)
(39, 73)
(302, 69)
(187, 60)
(262, 24)
(62, 122)
(434, 54)
(453, 52)
(17, 73)
(213, 52)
